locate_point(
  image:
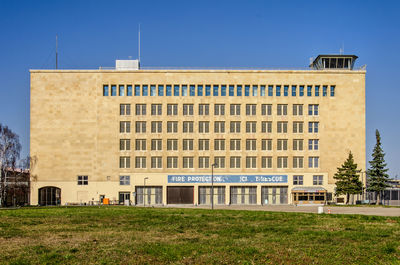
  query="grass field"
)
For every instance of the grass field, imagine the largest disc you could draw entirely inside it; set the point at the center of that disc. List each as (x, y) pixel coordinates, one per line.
(128, 235)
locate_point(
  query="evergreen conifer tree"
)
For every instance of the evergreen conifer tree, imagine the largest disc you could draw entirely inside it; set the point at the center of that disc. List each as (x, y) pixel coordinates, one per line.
(377, 177)
(347, 179)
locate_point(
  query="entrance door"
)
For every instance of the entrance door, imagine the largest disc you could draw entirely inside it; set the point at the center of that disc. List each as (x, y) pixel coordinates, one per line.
(49, 196)
(124, 196)
(180, 195)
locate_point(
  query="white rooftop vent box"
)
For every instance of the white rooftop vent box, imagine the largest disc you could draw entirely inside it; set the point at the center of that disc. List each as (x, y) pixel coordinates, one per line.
(126, 64)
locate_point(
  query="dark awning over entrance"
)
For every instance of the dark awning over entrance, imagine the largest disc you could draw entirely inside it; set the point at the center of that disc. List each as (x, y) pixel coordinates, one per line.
(309, 189)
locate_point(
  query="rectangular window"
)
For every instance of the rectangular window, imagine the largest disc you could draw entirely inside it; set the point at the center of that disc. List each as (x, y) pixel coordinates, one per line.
(270, 91)
(204, 109)
(140, 162)
(313, 127)
(215, 90)
(223, 90)
(187, 162)
(140, 109)
(156, 126)
(262, 90)
(309, 91)
(266, 162)
(282, 162)
(153, 90)
(124, 109)
(278, 91)
(184, 90)
(176, 90)
(313, 162)
(282, 109)
(156, 162)
(297, 127)
(282, 127)
(301, 91)
(204, 162)
(145, 90)
(251, 127)
(282, 144)
(235, 144)
(266, 126)
(192, 90)
(246, 90)
(140, 127)
(235, 109)
(317, 91)
(266, 109)
(156, 144)
(266, 144)
(313, 110)
(172, 144)
(251, 109)
(286, 91)
(172, 126)
(313, 144)
(219, 144)
(297, 180)
(172, 162)
(124, 144)
(204, 144)
(219, 109)
(113, 90)
(297, 110)
(318, 180)
(137, 90)
(105, 90)
(124, 162)
(219, 127)
(324, 91)
(255, 91)
(172, 109)
(294, 91)
(234, 162)
(298, 144)
(160, 90)
(124, 180)
(239, 90)
(332, 91)
(82, 180)
(140, 144)
(251, 162)
(204, 126)
(200, 90)
(235, 126)
(129, 90)
(121, 90)
(188, 127)
(187, 109)
(231, 90)
(219, 161)
(124, 126)
(251, 144)
(156, 109)
(208, 90)
(298, 162)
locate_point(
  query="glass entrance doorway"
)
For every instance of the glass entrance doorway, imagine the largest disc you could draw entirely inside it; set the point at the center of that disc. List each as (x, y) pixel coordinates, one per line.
(274, 195)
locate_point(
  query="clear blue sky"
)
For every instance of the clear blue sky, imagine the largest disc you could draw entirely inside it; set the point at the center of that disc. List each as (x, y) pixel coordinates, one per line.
(269, 34)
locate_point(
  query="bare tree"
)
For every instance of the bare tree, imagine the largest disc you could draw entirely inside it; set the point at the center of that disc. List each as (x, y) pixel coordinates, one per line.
(10, 149)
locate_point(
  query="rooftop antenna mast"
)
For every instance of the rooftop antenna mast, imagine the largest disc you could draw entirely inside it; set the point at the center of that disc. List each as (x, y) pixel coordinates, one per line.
(139, 44)
(56, 51)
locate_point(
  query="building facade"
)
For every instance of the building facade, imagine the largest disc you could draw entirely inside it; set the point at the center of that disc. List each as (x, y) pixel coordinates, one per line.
(157, 136)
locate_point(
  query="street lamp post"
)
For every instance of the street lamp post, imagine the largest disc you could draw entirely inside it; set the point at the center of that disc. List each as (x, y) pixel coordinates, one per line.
(144, 191)
(212, 185)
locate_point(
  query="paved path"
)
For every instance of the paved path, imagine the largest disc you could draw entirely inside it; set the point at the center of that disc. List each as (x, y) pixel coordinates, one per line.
(381, 211)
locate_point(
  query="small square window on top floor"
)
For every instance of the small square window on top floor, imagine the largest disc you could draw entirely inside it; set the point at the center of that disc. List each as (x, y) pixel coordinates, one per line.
(82, 180)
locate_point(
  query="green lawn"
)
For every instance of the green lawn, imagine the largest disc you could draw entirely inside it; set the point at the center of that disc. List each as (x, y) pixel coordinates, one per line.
(128, 235)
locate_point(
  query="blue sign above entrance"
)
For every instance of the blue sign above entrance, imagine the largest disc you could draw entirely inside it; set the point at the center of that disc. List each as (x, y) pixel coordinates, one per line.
(228, 178)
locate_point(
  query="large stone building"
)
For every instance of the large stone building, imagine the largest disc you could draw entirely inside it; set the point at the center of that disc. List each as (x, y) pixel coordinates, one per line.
(157, 136)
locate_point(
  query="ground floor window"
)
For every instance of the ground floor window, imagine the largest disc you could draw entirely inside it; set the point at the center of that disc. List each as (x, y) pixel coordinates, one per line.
(205, 195)
(243, 195)
(49, 196)
(148, 195)
(123, 196)
(274, 195)
(309, 197)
